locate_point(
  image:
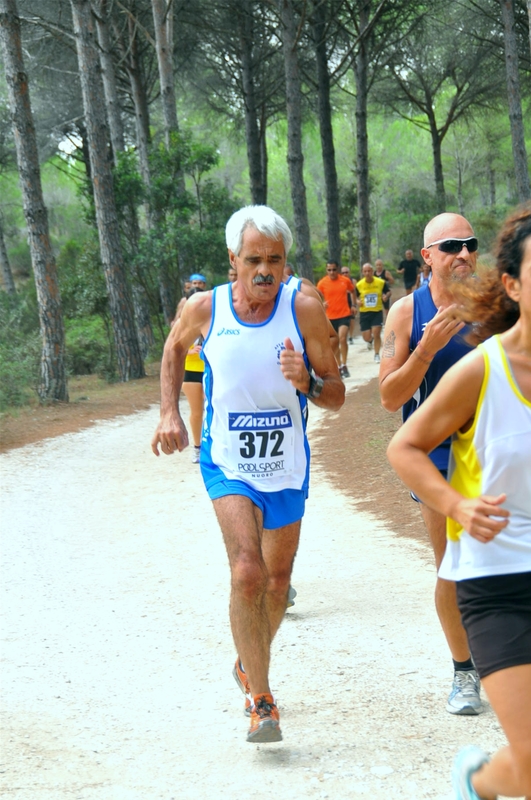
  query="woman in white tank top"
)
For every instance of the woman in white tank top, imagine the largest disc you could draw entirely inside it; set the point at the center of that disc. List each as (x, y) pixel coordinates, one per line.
(485, 401)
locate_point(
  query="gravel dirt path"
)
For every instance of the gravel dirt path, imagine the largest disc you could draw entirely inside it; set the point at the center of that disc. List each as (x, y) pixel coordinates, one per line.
(117, 653)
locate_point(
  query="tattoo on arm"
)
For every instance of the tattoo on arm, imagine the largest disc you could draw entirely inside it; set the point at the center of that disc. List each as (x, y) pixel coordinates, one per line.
(389, 345)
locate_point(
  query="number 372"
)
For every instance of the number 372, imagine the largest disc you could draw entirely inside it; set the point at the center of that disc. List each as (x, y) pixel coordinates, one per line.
(262, 439)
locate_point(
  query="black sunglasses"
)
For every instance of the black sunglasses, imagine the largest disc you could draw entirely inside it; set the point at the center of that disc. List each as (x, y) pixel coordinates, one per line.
(455, 246)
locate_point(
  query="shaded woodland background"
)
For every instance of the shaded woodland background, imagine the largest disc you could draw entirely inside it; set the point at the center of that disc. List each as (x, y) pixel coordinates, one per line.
(130, 130)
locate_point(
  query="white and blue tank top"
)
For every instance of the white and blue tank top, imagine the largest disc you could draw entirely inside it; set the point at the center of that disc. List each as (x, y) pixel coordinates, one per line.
(254, 427)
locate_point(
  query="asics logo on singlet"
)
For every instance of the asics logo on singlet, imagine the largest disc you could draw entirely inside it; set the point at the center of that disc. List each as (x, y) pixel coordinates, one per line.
(262, 419)
(229, 332)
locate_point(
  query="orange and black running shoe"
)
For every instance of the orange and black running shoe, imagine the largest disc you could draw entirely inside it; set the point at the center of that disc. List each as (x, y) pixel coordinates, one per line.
(241, 679)
(265, 720)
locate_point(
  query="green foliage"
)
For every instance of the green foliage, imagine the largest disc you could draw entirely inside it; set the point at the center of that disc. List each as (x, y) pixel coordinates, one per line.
(88, 347)
(81, 280)
(129, 189)
(407, 220)
(168, 166)
(187, 234)
(20, 348)
(20, 259)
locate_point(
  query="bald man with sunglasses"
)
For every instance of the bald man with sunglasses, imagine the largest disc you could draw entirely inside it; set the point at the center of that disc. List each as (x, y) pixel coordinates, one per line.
(423, 339)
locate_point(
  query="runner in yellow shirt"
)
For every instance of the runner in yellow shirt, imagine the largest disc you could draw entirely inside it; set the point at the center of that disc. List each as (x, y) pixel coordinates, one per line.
(372, 292)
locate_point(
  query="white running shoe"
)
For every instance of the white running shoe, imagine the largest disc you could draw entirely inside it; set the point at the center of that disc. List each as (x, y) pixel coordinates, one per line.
(377, 358)
(196, 452)
(465, 698)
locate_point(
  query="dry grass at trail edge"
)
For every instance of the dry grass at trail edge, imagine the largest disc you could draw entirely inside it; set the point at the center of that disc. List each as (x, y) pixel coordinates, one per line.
(91, 399)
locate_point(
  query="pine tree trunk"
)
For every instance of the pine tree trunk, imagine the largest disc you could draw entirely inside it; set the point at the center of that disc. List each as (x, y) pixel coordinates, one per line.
(140, 102)
(263, 150)
(436, 148)
(108, 73)
(514, 99)
(128, 354)
(460, 198)
(163, 22)
(295, 156)
(252, 135)
(53, 370)
(327, 136)
(362, 143)
(142, 319)
(5, 266)
(140, 303)
(492, 186)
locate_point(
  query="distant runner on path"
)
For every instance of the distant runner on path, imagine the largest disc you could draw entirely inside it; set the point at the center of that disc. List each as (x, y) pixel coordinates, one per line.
(267, 351)
(409, 268)
(422, 341)
(336, 291)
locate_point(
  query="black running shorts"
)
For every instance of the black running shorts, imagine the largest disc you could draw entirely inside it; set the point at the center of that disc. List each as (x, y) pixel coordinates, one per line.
(370, 319)
(191, 376)
(340, 322)
(496, 614)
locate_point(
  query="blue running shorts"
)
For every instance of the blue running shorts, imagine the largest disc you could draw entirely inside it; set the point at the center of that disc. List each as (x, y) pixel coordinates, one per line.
(278, 508)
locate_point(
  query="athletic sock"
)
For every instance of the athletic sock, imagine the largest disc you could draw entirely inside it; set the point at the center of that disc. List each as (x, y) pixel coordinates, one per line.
(463, 666)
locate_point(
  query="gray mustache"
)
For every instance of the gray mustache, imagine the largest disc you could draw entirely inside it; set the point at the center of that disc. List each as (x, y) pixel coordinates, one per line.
(267, 279)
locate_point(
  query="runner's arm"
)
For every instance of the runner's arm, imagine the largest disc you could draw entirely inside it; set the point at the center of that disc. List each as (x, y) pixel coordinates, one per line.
(314, 328)
(402, 371)
(171, 431)
(450, 407)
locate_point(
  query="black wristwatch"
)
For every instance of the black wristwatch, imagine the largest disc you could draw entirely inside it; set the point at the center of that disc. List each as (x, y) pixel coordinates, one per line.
(315, 388)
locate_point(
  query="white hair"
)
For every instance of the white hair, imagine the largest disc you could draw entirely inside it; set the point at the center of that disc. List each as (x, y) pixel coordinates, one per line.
(264, 219)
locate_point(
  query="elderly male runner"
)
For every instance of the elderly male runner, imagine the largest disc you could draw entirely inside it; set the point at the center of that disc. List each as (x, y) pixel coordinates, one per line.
(423, 339)
(266, 352)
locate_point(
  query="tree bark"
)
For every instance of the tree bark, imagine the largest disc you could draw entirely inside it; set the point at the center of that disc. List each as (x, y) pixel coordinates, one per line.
(108, 74)
(163, 23)
(252, 133)
(460, 198)
(327, 136)
(521, 170)
(436, 148)
(492, 187)
(263, 150)
(295, 156)
(5, 266)
(114, 118)
(120, 302)
(53, 384)
(362, 142)
(140, 102)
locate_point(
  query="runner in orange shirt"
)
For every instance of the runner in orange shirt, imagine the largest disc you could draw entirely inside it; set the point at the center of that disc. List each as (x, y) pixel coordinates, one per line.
(335, 290)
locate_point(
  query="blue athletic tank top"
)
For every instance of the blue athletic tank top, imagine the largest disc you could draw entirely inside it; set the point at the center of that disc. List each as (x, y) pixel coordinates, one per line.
(424, 310)
(254, 427)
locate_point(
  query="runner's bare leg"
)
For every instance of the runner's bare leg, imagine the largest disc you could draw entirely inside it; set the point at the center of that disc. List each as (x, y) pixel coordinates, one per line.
(259, 582)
